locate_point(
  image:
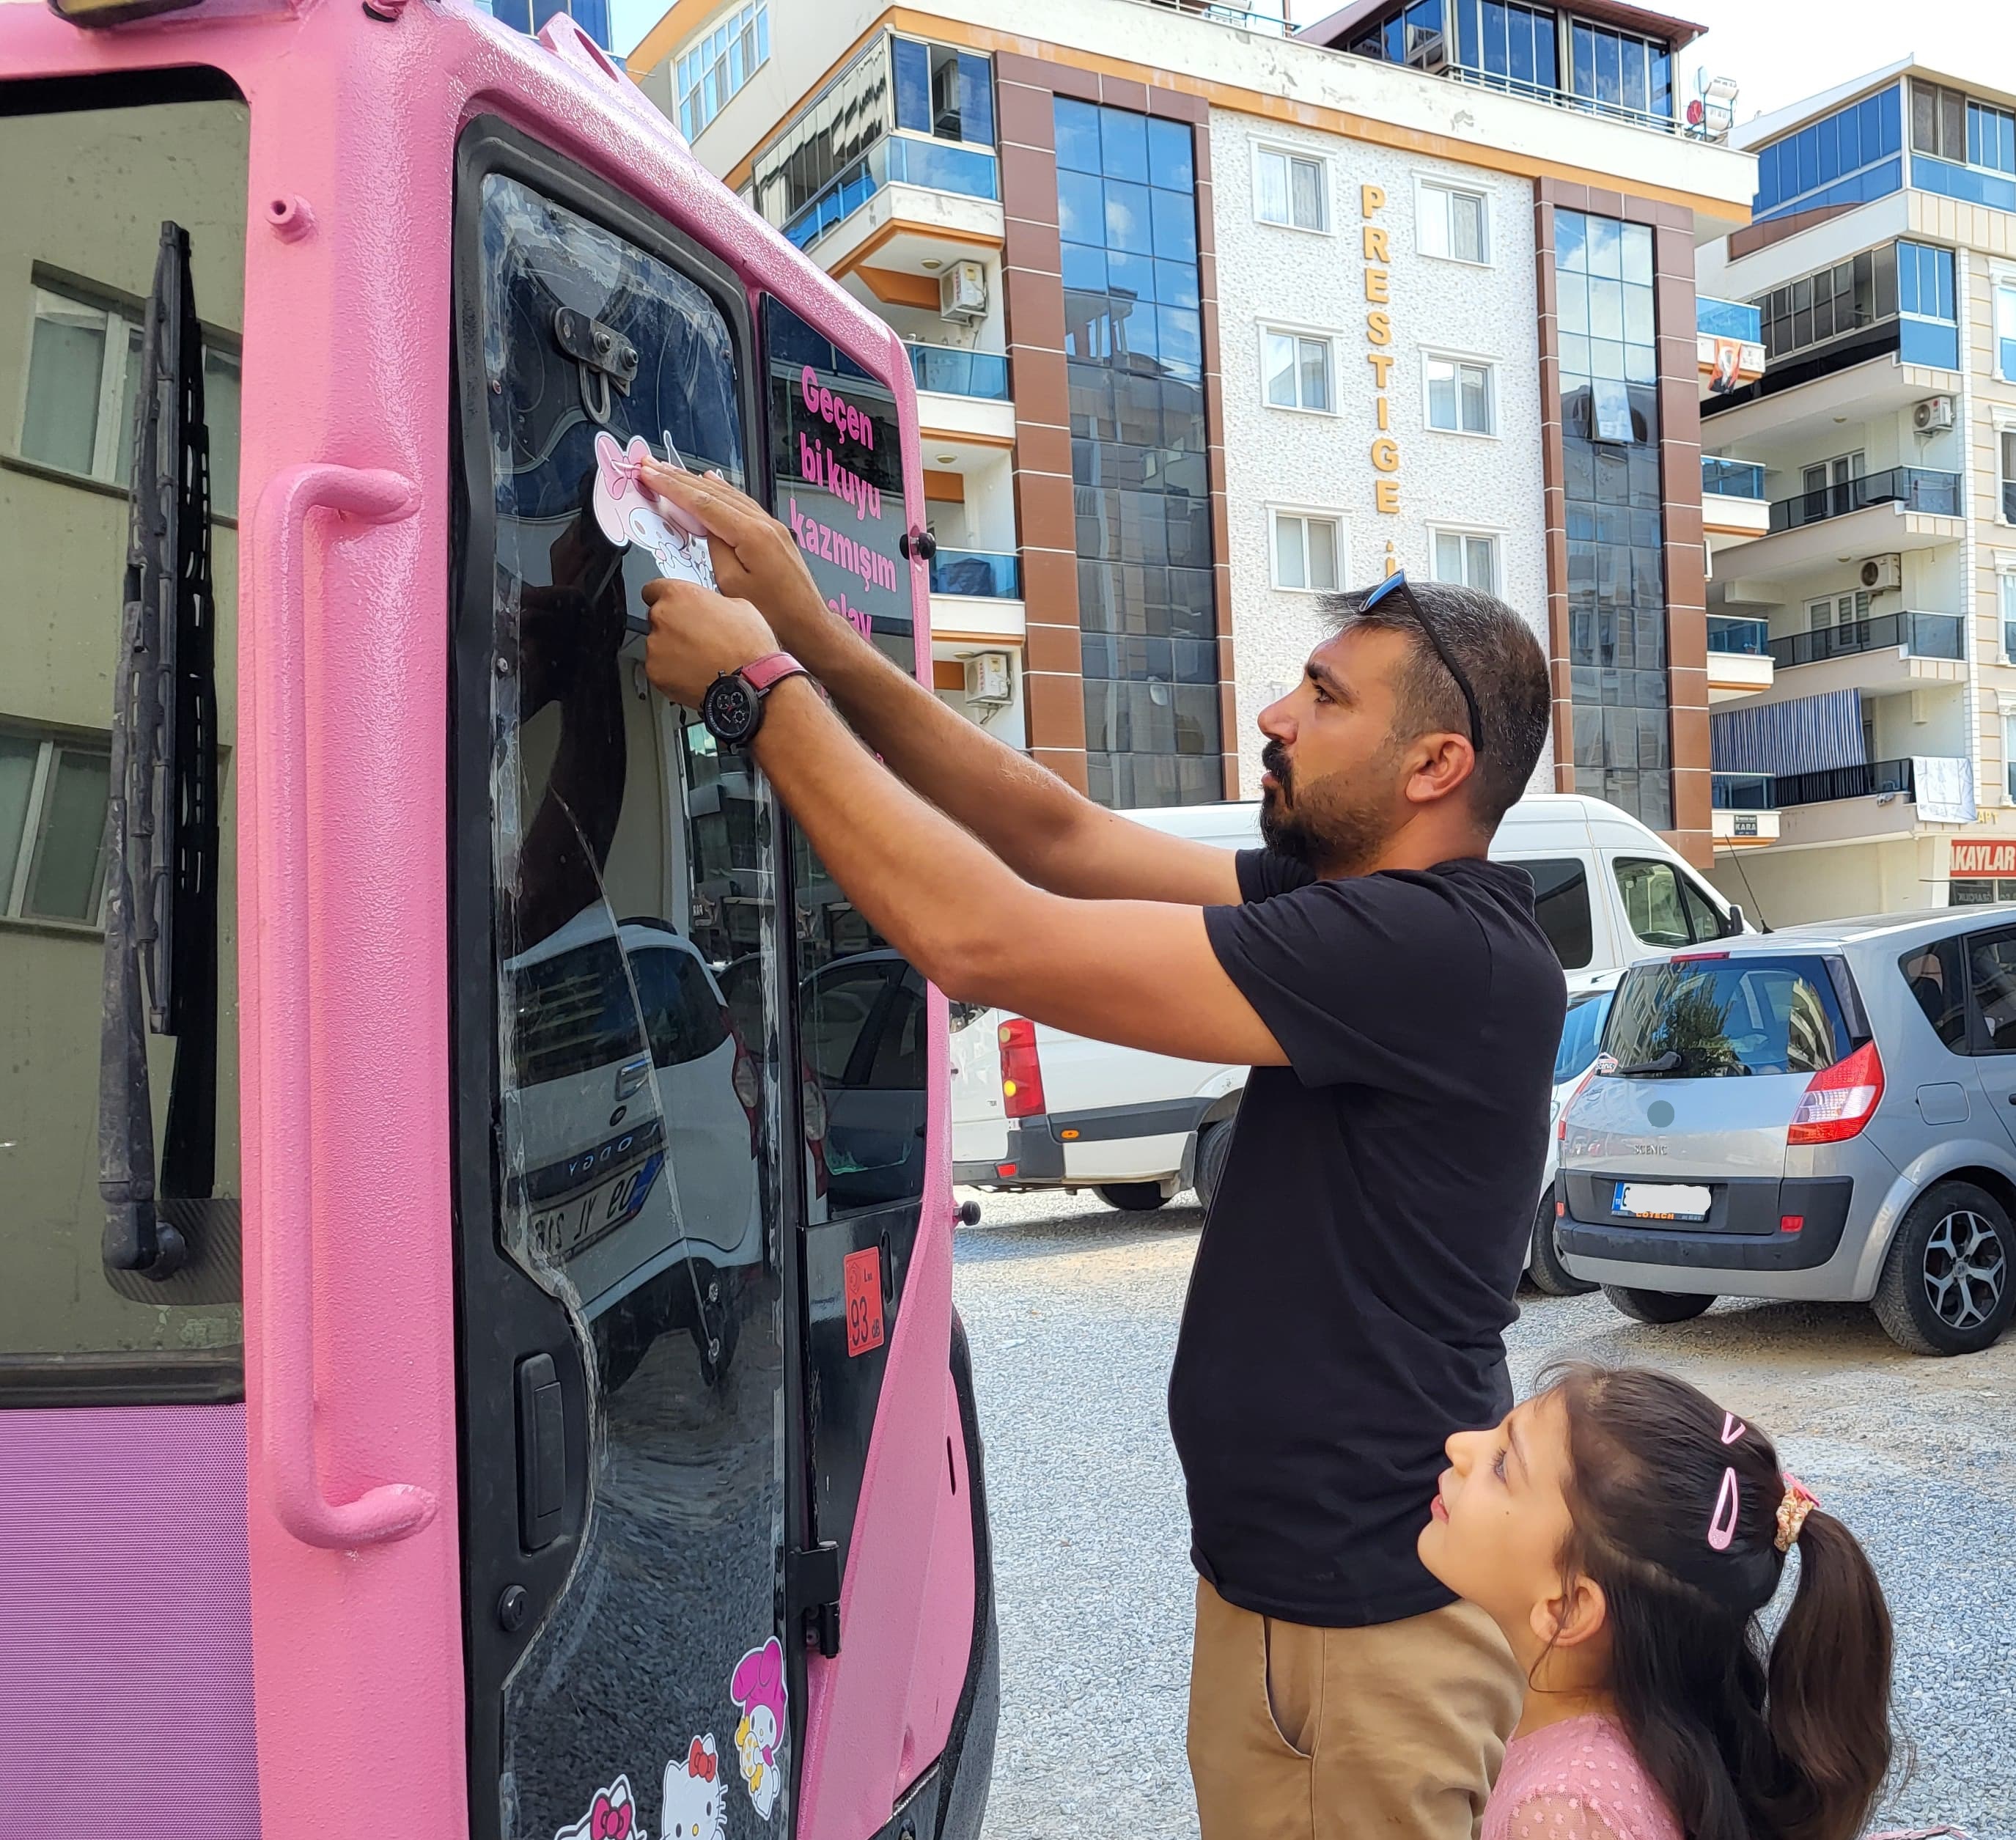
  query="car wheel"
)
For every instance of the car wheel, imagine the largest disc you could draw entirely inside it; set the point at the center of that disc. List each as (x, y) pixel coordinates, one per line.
(1550, 1277)
(1132, 1197)
(1945, 1287)
(1214, 1151)
(1656, 1306)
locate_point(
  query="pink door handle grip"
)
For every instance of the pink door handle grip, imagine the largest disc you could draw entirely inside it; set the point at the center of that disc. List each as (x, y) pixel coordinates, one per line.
(391, 1510)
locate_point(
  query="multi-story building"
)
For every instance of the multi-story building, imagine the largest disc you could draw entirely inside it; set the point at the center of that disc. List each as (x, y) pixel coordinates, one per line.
(1871, 765)
(1209, 318)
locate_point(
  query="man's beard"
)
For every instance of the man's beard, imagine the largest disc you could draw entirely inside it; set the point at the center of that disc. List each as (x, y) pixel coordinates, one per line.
(1329, 826)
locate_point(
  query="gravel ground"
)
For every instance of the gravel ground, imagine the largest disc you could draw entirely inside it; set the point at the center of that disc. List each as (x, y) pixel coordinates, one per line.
(1072, 1310)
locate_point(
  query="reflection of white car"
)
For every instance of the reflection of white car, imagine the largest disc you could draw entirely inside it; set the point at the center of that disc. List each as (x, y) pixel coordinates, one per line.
(1582, 1035)
(631, 1108)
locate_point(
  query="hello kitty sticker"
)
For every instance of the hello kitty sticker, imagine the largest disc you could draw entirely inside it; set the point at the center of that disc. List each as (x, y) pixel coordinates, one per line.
(757, 1686)
(612, 1816)
(629, 512)
(695, 1800)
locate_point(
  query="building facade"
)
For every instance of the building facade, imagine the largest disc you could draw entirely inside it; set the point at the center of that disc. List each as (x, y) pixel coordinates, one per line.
(1878, 738)
(1209, 319)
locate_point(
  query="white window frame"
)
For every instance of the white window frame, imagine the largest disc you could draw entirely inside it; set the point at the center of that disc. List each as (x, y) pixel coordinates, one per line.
(18, 874)
(730, 23)
(2005, 469)
(1274, 328)
(1437, 354)
(1493, 534)
(2002, 312)
(1281, 150)
(121, 322)
(1424, 184)
(2005, 589)
(1323, 514)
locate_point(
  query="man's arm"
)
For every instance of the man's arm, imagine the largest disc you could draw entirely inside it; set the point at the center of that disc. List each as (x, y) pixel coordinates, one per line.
(1140, 973)
(1044, 831)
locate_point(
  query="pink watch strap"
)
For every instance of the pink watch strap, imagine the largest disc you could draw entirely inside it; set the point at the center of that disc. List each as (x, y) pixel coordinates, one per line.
(765, 673)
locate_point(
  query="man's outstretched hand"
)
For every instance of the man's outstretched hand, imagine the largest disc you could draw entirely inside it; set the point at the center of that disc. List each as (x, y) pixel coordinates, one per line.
(696, 636)
(755, 557)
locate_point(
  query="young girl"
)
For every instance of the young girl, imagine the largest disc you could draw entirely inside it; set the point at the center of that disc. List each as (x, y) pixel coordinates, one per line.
(1624, 1532)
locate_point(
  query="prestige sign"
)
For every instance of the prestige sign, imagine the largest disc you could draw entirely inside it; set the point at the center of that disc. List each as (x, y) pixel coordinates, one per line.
(1972, 859)
(1379, 336)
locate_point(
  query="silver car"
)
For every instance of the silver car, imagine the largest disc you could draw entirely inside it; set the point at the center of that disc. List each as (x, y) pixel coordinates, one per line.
(1827, 1112)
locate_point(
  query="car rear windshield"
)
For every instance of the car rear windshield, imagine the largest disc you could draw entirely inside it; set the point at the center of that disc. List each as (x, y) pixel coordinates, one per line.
(1695, 1018)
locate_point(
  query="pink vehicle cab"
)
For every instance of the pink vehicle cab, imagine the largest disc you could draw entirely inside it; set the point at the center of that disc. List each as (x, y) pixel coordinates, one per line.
(476, 1351)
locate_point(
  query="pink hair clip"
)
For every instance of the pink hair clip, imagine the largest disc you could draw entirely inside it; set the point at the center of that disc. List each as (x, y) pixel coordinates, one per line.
(1721, 1523)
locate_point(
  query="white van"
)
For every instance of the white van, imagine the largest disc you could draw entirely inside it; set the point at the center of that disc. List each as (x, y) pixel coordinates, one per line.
(1137, 1128)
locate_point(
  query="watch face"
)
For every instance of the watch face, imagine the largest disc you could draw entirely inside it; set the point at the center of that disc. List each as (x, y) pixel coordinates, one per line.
(731, 711)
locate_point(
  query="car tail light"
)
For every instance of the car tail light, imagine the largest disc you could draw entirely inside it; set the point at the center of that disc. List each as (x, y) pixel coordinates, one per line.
(1021, 1072)
(1839, 1100)
(1561, 1123)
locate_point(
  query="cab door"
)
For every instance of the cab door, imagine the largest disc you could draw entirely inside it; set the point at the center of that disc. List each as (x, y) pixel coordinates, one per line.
(627, 1358)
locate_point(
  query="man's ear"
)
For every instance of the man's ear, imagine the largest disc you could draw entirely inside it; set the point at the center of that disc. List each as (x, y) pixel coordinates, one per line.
(1441, 765)
(1572, 1615)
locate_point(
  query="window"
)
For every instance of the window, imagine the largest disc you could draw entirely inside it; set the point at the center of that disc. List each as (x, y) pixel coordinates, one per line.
(1991, 976)
(1708, 1018)
(1452, 224)
(2006, 444)
(1836, 301)
(1620, 70)
(2009, 743)
(1561, 899)
(1850, 157)
(1945, 123)
(1515, 43)
(719, 62)
(1469, 558)
(84, 365)
(1460, 393)
(1664, 908)
(2005, 331)
(53, 798)
(1296, 369)
(2005, 582)
(1933, 974)
(1288, 188)
(1582, 1034)
(943, 91)
(1305, 552)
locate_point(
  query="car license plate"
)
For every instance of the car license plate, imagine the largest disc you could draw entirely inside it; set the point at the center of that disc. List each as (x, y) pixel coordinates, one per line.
(1662, 1200)
(560, 1233)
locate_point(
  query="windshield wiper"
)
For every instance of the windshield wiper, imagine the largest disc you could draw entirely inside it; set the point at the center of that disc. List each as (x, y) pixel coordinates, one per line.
(161, 818)
(1669, 1062)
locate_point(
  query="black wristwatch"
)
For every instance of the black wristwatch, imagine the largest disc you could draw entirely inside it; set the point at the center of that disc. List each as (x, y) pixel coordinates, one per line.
(732, 707)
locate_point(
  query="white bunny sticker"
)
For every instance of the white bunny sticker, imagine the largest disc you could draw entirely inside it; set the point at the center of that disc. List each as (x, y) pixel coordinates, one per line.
(628, 512)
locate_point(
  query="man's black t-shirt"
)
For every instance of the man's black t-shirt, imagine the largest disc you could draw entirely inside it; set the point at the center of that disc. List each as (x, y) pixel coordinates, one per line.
(1355, 1279)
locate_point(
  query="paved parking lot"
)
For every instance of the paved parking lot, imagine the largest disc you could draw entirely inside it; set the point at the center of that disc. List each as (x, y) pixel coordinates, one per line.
(1072, 1310)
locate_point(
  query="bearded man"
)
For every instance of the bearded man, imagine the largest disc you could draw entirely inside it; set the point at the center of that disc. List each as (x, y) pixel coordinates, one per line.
(1399, 1006)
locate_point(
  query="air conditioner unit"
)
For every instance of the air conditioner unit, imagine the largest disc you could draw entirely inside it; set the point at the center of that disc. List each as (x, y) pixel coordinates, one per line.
(1880, 572)
(1934, 415)
(988, 677)
(962, 291)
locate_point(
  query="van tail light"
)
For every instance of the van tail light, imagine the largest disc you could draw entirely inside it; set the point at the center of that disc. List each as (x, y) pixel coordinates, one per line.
(1839, 1100)
(1021, 1072)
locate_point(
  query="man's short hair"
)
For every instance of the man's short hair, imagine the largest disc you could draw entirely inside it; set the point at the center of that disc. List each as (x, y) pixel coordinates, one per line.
(1507, 669)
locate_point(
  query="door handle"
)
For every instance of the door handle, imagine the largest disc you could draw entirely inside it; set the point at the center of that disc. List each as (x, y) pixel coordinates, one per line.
(392, 1510)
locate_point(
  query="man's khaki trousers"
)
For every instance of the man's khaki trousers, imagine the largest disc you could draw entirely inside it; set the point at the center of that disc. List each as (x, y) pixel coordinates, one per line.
(1299, 1733)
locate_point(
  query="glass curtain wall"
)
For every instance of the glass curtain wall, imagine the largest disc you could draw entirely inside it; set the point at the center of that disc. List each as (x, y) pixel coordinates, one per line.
(1616, 596)
(1133, 339)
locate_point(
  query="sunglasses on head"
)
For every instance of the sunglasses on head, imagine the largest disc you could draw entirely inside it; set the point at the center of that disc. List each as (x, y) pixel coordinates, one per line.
(1395, 585)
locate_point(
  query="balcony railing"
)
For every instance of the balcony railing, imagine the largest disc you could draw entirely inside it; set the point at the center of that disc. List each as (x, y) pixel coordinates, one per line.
(1729, 320)
(1741, 637)
(897, 160)
(983, 573)
(1922, 635)
(1564, 99)
(1732, 479)
(1742, 792)
(1918, 488)
(1863, 782)
(955, 373)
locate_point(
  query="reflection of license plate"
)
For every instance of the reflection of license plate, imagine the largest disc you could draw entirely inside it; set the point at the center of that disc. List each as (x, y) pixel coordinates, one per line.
(557, 1234)
(1662, 1200)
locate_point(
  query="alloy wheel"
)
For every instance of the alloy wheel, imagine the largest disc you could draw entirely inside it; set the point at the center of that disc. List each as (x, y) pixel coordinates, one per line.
(1966, 1266)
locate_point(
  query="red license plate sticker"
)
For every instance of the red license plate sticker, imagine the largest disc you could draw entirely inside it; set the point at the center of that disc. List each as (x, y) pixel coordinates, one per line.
(863, 1272)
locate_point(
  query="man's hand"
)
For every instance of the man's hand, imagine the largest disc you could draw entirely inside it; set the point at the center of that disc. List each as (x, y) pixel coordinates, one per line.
(696, 636)
(755, 557)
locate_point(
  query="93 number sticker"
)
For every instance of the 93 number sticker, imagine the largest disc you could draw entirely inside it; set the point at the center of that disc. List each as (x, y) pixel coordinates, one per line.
(863, 1273)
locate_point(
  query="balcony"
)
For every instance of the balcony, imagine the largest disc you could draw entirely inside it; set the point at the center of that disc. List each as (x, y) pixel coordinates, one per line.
(899, 160)
(1731, 479)
(1916, 635)
(1739, 657)
(1744, 810)
(1729, 345)
(1729, 320)
(1872, 779)
(947, 372)
(978, 573)
(1733, 504)
(1916, 488)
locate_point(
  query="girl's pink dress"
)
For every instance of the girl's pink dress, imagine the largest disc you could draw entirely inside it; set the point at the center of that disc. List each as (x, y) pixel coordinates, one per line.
(1576, 1781)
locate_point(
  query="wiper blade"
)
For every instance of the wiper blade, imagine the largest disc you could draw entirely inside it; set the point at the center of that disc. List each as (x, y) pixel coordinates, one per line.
(1669, 1062)
(162, 831)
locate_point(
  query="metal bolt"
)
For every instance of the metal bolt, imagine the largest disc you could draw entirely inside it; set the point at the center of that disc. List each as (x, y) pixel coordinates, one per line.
(513, 1609)
(503, 666)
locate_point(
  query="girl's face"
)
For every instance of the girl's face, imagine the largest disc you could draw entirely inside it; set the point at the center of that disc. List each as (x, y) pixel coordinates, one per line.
(1499, 1519)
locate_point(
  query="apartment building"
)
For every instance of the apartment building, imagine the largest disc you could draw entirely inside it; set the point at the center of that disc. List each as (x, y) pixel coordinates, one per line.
(1878, 608)
(1209, 317)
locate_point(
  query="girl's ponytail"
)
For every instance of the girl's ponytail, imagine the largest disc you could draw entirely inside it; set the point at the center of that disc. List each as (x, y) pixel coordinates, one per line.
(1828, 1702)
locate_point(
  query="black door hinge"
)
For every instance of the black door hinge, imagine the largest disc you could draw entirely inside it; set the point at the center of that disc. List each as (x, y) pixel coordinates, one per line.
(811, 1594)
